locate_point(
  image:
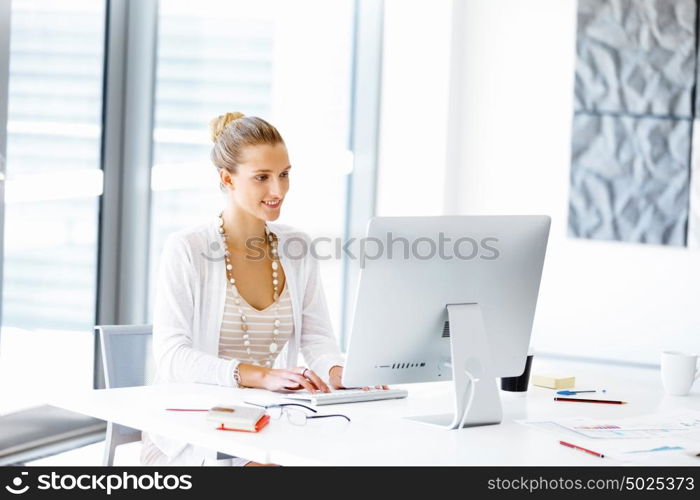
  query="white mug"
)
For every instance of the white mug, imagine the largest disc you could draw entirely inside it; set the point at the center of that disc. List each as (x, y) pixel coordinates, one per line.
(678, 372)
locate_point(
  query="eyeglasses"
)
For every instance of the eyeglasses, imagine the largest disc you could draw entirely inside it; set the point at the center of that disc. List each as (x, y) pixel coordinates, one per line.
(295, 414)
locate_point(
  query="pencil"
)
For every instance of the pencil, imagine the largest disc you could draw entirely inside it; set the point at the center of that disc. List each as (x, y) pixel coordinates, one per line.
(582, 449)
(581, 400)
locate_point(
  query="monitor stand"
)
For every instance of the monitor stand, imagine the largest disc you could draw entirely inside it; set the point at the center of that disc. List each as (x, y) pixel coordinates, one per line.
(477, 399)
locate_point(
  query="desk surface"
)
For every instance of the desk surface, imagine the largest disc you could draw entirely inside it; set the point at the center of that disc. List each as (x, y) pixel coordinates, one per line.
(378, 435)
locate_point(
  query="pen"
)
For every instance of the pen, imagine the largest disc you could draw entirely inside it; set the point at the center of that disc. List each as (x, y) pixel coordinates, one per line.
(571, 393)
(581, 400)
(582, 449)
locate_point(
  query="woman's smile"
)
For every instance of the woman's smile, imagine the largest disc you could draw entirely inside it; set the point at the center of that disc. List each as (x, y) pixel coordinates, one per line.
(272, 204)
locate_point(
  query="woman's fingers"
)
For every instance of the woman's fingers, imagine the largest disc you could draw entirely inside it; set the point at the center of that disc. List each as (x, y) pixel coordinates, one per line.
(299, 377)
(304, 382)
(283, 380)
(316, 380)
(287, 383)
(337, 382)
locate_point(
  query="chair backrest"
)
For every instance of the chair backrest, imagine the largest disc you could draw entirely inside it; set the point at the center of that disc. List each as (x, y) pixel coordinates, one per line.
(126, 354)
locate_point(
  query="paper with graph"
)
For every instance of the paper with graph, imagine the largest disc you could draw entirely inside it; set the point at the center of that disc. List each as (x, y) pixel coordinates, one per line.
(647, 426)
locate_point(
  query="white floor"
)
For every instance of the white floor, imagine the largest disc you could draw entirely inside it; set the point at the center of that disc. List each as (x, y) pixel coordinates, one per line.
(91, 455)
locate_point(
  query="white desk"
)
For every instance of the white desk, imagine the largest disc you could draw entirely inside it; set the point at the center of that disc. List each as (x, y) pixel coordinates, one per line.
(377, 434)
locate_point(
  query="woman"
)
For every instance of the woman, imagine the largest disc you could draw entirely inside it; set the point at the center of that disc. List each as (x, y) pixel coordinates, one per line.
(231, 309)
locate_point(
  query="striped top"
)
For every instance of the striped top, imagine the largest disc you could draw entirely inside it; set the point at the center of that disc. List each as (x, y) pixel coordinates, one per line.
(232, 343)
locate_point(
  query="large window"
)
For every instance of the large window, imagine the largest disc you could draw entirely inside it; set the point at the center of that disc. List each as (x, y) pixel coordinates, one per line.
(287, 62)
(51, 211)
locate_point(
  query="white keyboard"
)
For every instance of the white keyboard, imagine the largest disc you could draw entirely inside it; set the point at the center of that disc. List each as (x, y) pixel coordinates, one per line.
(346, 396)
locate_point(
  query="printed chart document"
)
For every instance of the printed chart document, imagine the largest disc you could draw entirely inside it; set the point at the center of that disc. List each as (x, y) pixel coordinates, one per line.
(673, 438)
(670, 452)
(647, 426)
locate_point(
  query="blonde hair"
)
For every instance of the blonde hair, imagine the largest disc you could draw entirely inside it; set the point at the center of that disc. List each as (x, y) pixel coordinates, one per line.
(231, 133)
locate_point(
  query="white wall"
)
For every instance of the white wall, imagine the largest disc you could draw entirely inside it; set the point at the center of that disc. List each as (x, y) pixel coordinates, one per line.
(414, 107)
(600, 299)
(503, 147)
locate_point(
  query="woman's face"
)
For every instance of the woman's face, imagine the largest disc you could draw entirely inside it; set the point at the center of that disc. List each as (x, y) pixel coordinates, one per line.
(262, 180)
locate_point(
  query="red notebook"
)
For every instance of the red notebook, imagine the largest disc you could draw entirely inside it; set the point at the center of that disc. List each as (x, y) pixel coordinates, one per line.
(238, 418)
(264, 420)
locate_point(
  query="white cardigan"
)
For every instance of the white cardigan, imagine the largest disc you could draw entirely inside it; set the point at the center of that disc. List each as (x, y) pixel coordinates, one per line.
(189, 306)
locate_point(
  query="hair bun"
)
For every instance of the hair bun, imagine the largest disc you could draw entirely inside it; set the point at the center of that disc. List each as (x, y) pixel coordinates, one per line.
(219, 124)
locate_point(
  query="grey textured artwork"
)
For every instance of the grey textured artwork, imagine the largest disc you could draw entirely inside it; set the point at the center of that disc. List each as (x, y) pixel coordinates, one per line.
(632, 131)
(636, 56)
(630, 179)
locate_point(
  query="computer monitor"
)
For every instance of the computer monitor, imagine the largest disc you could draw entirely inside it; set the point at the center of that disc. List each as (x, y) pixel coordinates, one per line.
(447, 298)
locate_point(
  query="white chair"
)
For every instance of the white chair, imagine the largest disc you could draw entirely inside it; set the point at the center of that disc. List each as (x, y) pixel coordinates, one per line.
(126, 359)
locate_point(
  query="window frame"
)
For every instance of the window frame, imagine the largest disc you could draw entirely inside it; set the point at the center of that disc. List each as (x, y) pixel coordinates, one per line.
(361, 187)
(127, 145)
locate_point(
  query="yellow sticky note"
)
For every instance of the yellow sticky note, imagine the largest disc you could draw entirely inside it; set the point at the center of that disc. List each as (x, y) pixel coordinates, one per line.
(553, 381)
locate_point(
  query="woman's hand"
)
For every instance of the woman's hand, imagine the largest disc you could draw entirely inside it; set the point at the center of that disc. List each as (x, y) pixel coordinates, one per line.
(279, 379)
(335, 376)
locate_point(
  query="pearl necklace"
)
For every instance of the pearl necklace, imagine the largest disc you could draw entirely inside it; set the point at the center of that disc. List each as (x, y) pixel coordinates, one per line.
(237, 299)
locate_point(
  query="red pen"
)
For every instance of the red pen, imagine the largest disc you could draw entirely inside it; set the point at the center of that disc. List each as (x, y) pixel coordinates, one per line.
(602, 401)
(582, 449)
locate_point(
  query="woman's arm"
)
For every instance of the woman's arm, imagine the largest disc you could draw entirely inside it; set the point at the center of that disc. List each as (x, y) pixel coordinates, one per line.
(173, 327)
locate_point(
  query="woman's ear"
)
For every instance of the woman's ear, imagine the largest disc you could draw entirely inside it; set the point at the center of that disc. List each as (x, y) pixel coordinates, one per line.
(226, 179)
